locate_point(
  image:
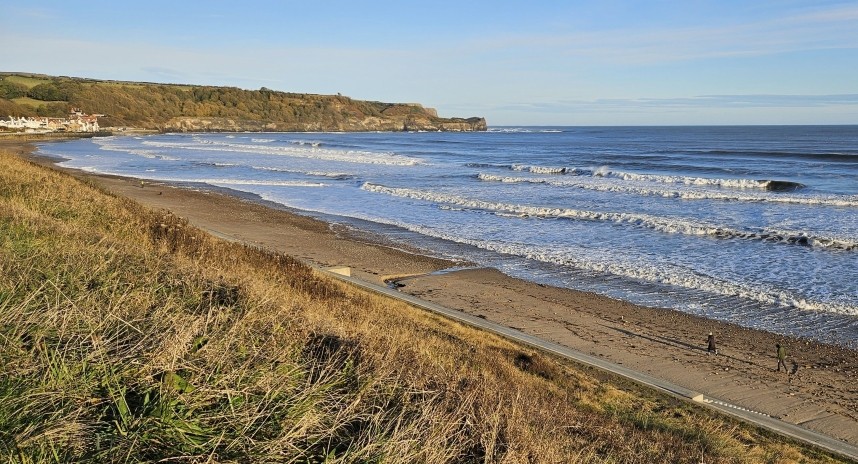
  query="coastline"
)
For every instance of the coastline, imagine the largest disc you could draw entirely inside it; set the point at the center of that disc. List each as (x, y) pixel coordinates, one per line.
(661, 342)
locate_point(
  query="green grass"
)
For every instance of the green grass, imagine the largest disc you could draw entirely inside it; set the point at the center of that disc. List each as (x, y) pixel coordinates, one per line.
(26, 81)
(31, 102)
(128, 336)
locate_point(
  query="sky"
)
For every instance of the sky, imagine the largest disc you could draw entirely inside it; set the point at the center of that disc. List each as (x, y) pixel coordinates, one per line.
(609, 62)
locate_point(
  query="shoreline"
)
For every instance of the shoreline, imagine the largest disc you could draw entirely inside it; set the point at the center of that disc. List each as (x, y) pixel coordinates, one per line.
(662, 342)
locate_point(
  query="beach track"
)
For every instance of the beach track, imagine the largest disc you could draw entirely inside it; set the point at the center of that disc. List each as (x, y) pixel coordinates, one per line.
(760, 419)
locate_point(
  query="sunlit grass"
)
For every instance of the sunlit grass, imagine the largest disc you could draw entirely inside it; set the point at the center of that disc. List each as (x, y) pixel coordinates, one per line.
(26, 81)
(127, 335)
(32, 102)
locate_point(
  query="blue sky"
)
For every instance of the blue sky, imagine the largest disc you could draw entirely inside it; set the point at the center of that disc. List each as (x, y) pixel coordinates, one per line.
(611, 62)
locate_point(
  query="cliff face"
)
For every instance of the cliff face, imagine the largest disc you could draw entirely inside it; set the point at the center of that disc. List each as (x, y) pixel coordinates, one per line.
(208, 108)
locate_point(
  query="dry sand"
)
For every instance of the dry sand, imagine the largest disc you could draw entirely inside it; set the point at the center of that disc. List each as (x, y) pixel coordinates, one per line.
(822, 395)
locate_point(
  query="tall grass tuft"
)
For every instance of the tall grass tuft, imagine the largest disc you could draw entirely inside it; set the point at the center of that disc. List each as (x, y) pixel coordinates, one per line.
(127, 335)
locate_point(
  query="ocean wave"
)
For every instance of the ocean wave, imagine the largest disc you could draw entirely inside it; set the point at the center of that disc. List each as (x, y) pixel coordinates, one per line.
(347, 156)
(107, 145)
(592, 183)
(664, 273)
(215, 164)
(330, 175)
(487, 165)
(773, 185)
(514, 130)
(538, 169)
(834, 156)
(670, 225)
(261, 140)
(312, 143)
(661, 273)
(606, 172)
(274, 183)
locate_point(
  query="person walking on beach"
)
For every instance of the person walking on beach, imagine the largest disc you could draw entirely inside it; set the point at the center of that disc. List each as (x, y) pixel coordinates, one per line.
(781, 357)
(711, 344)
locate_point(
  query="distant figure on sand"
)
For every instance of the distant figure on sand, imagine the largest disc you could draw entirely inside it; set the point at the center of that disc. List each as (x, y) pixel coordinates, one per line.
(781, 357)
(711, 342)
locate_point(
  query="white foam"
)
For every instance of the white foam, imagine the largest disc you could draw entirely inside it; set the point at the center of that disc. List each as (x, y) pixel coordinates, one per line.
(605, 171)
(348, 156)
(685, 180)
(663, 273)
(514, 130)
(671, 225)
(275, 183)
(604, 185)
(110, 144)
(539, 169)
(334, 175)
(312, 143)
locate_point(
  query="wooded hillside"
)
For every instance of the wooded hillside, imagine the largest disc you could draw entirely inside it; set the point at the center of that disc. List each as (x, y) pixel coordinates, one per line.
(190, 107)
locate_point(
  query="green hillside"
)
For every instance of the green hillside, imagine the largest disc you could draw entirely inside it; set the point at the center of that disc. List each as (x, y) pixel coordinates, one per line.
(192, 107)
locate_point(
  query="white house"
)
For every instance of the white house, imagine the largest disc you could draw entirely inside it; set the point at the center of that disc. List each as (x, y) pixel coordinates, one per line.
(76, 122)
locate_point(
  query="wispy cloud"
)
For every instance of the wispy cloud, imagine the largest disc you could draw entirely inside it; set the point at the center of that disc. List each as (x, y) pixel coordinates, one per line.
(703, 101)
(831, 28)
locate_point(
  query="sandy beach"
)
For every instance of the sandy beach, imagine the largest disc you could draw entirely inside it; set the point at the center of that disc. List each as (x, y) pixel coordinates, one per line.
(821, 394)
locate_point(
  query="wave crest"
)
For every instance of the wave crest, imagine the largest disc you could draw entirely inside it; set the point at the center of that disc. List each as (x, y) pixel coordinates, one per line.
(297, 151)
(596, 184)
(671, 225)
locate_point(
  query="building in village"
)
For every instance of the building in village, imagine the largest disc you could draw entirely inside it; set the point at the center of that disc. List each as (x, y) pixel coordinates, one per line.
(76, 122)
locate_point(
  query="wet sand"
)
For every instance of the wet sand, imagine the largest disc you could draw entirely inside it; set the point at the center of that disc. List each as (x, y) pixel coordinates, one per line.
(821, 395)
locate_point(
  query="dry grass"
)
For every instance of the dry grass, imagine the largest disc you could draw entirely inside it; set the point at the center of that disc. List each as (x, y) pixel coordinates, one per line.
(127, 336)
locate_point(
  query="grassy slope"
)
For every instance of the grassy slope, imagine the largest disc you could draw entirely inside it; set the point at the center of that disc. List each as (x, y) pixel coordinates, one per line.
(126, 335)
(32, 103)
(27, 81)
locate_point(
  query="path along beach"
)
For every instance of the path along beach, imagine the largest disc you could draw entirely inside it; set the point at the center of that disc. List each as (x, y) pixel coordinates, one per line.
(820, 395)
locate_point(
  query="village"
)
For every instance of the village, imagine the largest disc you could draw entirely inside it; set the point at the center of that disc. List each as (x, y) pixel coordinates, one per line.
(77, 121)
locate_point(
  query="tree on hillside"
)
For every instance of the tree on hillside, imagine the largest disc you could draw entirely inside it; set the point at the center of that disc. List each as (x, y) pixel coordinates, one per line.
(9, 108)
(10, 90)
(48, 92)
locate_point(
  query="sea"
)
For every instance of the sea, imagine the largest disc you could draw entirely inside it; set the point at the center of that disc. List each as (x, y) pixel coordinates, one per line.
(754, 225)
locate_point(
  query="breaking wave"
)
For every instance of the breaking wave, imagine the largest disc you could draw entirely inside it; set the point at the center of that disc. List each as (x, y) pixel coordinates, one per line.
(538, 169)
(276, 183)
(590, 183)
(510, 130)
(604, 171)
(347, 156)
(107, 145)
(312, 143)
(669, 225)
(330, 175)
(772, 185)
(662, 274)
